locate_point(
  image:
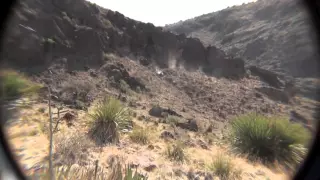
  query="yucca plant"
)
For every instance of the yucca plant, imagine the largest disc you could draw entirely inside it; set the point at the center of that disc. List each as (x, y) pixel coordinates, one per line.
(107, 119)
(269, 139)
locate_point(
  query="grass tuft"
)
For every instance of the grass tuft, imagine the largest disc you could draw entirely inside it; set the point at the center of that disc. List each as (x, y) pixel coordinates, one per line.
(140, 135)
(176, 152)
(221, 166)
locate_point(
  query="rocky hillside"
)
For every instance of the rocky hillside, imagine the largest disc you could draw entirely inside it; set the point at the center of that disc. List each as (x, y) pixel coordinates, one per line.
(271, 34)
(171, 98)
(43, 32)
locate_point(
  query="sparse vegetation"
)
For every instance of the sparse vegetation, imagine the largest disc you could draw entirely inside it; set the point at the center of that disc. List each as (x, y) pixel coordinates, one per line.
(72, 150)
(224, 168)
(15, 85)
(74, 172)
(127, 174)
(42, 110)
(48, 41)
(210, 138)
(176, 152)
(269, 139)
(109, 56)
(107, 118)
(172, 119)
(140, 135)
(76, 87)
(133, 175)
(71, 172)
(124, 87)
(33, 132)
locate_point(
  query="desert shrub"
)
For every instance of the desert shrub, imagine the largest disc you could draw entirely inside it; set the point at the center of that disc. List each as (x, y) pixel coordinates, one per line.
(76, 87)
(176, 152)
(224, 168)
(140, 135)
(15, 85)
(107, 119)
(72, 150)
(269, 139)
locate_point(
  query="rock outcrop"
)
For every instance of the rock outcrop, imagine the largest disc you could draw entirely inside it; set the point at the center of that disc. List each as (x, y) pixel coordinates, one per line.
(42, 31)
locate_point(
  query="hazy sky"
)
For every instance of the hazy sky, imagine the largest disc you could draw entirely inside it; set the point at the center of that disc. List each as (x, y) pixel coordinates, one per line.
(163, 12)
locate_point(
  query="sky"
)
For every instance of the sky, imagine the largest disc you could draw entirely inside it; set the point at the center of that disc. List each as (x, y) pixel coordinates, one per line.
(163, 12)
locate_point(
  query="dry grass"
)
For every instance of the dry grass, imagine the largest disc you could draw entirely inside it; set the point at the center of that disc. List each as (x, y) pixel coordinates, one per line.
(73, 149)
(140, 135)
(224, 168)
(176, 152)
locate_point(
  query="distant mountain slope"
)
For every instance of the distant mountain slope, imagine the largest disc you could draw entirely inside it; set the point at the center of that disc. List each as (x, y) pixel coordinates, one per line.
(272, 34)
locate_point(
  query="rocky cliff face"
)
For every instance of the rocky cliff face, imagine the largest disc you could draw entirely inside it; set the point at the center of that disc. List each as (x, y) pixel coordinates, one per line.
(41, 32)
(271, 34)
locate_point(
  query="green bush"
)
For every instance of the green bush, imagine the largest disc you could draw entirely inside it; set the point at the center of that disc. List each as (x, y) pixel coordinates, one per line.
(139, 135)
(15, 85)
(269, 139)
(107, 119)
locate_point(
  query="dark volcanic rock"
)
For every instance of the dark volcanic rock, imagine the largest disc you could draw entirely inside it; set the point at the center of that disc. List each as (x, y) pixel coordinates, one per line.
(158, 111)
(189, 125)
(268, 76)
(275, 94)
(43, 31)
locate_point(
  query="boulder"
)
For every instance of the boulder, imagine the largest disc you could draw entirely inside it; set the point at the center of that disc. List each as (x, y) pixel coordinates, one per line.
(167, 135)
(160, 112)
(274, 94)
(189, 125)
(267, 76)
